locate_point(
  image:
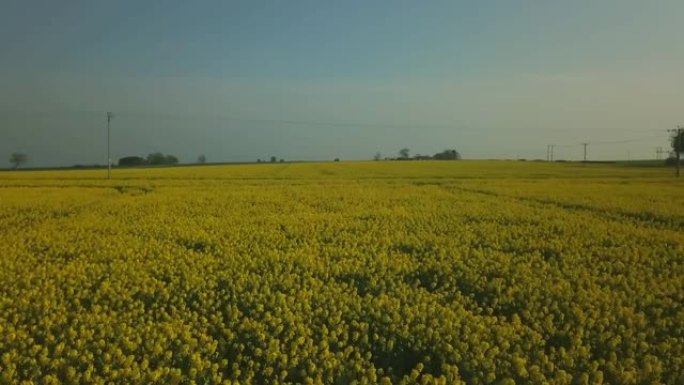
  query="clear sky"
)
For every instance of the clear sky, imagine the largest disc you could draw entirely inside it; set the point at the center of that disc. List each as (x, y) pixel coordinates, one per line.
(241, 80)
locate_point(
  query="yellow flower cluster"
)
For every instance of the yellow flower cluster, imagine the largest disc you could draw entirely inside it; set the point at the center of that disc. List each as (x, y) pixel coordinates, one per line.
(341, 273)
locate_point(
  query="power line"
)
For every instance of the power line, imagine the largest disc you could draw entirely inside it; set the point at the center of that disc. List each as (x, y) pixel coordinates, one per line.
(304, 122)
(626, 140)
(550, 155)
(358, 124)
(608, 142)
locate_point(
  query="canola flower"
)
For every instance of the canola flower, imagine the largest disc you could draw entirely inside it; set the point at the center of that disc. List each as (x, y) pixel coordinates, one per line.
(366, 273)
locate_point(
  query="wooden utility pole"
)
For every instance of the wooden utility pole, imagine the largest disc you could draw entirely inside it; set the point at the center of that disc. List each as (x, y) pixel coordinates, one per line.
(549, 152)
(585, 152)
(109, 157)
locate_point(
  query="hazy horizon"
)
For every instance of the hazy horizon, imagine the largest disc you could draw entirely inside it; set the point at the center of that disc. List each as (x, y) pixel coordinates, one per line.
(313, 81)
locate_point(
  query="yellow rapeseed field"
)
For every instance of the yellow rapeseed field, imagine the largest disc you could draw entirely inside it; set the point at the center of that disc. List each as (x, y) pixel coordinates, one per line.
(337, 273)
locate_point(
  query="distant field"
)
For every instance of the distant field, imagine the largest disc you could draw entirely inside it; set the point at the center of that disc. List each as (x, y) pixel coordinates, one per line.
(469, 272)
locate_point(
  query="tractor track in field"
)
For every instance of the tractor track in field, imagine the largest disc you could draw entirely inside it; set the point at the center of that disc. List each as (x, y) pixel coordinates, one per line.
(644, 218)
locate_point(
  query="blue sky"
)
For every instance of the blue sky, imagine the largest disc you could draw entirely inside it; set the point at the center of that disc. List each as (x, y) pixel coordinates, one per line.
(317, 80)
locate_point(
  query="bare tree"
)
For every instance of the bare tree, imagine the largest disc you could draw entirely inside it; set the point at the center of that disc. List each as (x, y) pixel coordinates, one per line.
(404, 153)
(377, 156)
(17, 159)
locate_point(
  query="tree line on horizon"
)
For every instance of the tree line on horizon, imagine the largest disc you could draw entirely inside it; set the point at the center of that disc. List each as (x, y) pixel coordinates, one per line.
(18, 159)
(405, 154)
(153, 159)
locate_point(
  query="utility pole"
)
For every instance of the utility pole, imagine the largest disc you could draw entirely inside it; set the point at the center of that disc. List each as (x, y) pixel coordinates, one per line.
(109, 157)
(549, 152)
(659, 152)
(585, 152)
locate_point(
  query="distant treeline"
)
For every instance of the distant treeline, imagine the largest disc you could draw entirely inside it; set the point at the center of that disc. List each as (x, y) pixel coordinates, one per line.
(153, 159)
(404, 154)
